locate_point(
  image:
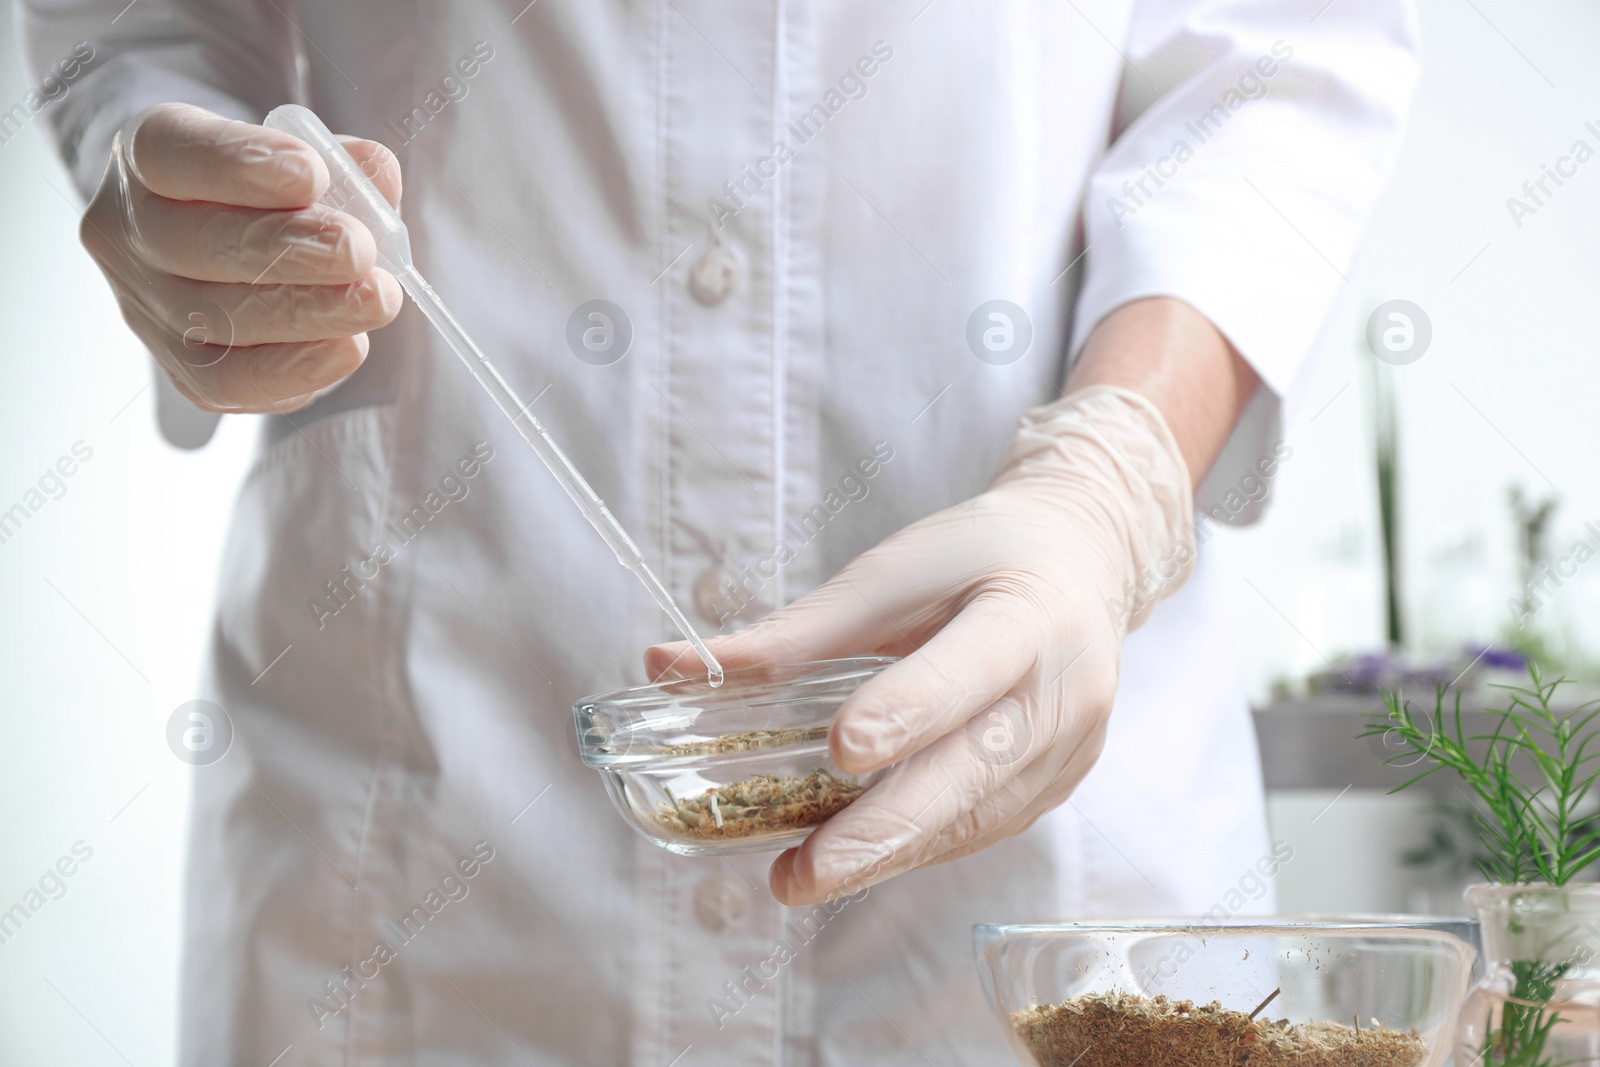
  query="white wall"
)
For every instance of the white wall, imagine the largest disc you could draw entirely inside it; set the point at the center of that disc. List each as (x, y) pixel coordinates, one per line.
(105, 591)
(103, 611)
(1505, 394)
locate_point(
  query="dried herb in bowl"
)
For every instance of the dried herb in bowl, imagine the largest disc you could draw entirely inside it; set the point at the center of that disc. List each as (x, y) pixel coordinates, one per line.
(764, 804)
(1126, 1030)
(747, 742)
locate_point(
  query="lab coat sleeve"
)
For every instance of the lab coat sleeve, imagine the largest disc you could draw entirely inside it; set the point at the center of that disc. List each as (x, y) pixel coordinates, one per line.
(234, 57)
(1246, 187)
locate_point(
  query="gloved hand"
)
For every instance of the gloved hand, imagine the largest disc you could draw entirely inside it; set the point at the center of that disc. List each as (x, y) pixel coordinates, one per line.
(249, 298)
(1010, 610)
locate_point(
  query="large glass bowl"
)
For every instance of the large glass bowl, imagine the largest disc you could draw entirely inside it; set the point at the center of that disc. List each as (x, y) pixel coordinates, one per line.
(740, 768)
(1322, 992)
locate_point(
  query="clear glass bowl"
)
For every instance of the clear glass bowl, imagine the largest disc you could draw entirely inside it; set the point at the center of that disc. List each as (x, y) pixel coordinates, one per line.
(740, 768)
(1539, 1001)
(1181, 994)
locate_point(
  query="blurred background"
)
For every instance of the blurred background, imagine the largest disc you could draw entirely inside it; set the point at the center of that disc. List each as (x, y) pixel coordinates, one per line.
(107, 587)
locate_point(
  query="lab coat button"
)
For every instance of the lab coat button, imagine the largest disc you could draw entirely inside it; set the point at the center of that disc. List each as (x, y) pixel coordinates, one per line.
(720, 902)
(714, 275)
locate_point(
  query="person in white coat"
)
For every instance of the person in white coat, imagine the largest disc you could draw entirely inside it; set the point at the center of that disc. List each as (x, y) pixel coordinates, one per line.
(835, 251)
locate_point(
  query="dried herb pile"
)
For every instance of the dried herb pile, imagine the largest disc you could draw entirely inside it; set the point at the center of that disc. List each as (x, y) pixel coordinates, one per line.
(764, 804)
(1126, 1030)
(746, 741)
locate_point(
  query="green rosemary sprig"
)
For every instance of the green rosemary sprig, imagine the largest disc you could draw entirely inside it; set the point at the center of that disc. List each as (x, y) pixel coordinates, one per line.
(1526, 1020)
(1532, 827)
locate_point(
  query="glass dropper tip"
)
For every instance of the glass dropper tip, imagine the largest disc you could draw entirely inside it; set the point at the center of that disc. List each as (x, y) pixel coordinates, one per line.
(714, 676)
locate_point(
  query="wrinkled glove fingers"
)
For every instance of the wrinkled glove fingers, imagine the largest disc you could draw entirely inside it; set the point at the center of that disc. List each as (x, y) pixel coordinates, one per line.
(891, 827)
(211, 317)
(879, 603)
(955, 797)
(975, 659)
(378, 164)
(223, 243)
(243, 315)
(1049, 789)
(183, 152)
(831, 621)
(263, 378)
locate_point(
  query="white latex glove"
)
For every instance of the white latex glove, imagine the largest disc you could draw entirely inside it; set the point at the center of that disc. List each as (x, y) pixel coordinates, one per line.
(1010, 611)
(248, 297)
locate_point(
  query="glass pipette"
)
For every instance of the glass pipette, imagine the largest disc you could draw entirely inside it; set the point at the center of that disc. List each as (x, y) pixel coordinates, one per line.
(351, 191)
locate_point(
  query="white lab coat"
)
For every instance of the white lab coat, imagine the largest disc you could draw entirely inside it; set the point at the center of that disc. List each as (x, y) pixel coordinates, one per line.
(409, 722)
